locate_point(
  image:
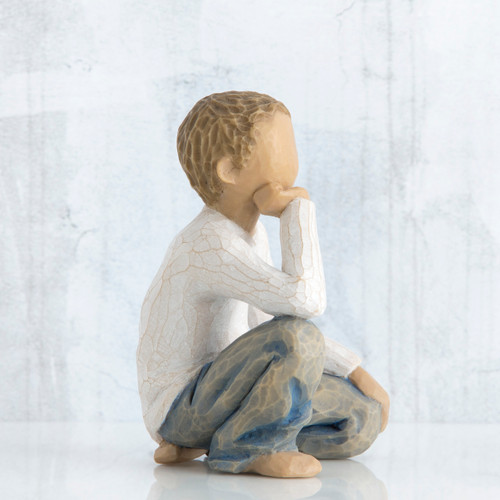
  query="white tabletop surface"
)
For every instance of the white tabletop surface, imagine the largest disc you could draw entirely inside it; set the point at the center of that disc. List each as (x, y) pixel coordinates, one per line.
(53, 460)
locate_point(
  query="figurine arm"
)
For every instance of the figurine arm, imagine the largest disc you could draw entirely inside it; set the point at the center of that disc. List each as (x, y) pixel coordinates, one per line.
(298, 290)
(255, 316)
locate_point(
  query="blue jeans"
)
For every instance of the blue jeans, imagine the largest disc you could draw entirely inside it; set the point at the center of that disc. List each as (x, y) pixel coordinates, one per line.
(266, 392)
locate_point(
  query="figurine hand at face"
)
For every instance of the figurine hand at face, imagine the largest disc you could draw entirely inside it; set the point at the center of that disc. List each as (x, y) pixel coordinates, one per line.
(272, 199)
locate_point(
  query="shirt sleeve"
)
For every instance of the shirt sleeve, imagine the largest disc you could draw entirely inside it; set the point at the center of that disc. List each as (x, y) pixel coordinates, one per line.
(255, 316)
(298, 289)
(339, 360)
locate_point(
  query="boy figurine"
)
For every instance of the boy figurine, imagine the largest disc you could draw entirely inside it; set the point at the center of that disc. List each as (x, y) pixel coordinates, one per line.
(228, 362)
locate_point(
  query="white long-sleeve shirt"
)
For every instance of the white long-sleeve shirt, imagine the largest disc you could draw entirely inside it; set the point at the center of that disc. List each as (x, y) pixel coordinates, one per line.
(215, 283)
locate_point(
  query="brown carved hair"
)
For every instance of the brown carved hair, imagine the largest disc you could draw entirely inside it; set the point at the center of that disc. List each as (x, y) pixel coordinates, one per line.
(221, 125)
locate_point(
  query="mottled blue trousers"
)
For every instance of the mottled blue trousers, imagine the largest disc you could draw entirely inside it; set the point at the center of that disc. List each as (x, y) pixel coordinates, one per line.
(266, 392)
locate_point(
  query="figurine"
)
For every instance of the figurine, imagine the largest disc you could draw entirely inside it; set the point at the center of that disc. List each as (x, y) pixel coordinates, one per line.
(229, 363)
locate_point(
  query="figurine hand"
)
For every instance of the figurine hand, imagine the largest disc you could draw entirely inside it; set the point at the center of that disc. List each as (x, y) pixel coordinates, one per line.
(371, 388)
(272, 199)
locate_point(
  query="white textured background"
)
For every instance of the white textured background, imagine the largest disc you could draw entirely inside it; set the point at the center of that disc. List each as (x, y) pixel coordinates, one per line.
(396, 109)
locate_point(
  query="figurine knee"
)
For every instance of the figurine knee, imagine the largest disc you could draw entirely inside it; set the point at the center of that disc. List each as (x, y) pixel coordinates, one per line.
(295, 335)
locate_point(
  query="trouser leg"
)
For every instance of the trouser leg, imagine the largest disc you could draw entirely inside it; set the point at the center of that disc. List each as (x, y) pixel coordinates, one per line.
(254, 398)
(344, 422)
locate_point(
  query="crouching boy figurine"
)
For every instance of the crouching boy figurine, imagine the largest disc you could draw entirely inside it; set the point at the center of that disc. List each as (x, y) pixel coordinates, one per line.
(228, 362)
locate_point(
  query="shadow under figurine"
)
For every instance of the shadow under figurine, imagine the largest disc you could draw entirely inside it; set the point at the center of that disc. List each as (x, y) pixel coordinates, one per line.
(228, 362)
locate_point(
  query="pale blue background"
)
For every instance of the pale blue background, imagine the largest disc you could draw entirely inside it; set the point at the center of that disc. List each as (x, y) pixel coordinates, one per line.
(395, 106)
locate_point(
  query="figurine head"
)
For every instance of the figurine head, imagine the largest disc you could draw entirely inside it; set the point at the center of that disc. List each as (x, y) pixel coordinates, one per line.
(221, 126)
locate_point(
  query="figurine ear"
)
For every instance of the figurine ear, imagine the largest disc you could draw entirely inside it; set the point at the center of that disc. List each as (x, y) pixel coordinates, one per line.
(226, 170)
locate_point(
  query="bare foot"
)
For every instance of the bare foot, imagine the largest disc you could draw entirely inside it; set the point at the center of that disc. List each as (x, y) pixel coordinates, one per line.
(168, 453)
(285, 464)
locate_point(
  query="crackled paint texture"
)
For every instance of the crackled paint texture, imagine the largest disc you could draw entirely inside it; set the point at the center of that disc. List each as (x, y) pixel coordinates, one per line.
(395, 107)
(215, 283)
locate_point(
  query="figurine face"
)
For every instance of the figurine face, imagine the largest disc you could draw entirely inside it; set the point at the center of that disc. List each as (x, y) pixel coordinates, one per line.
(274, 159)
